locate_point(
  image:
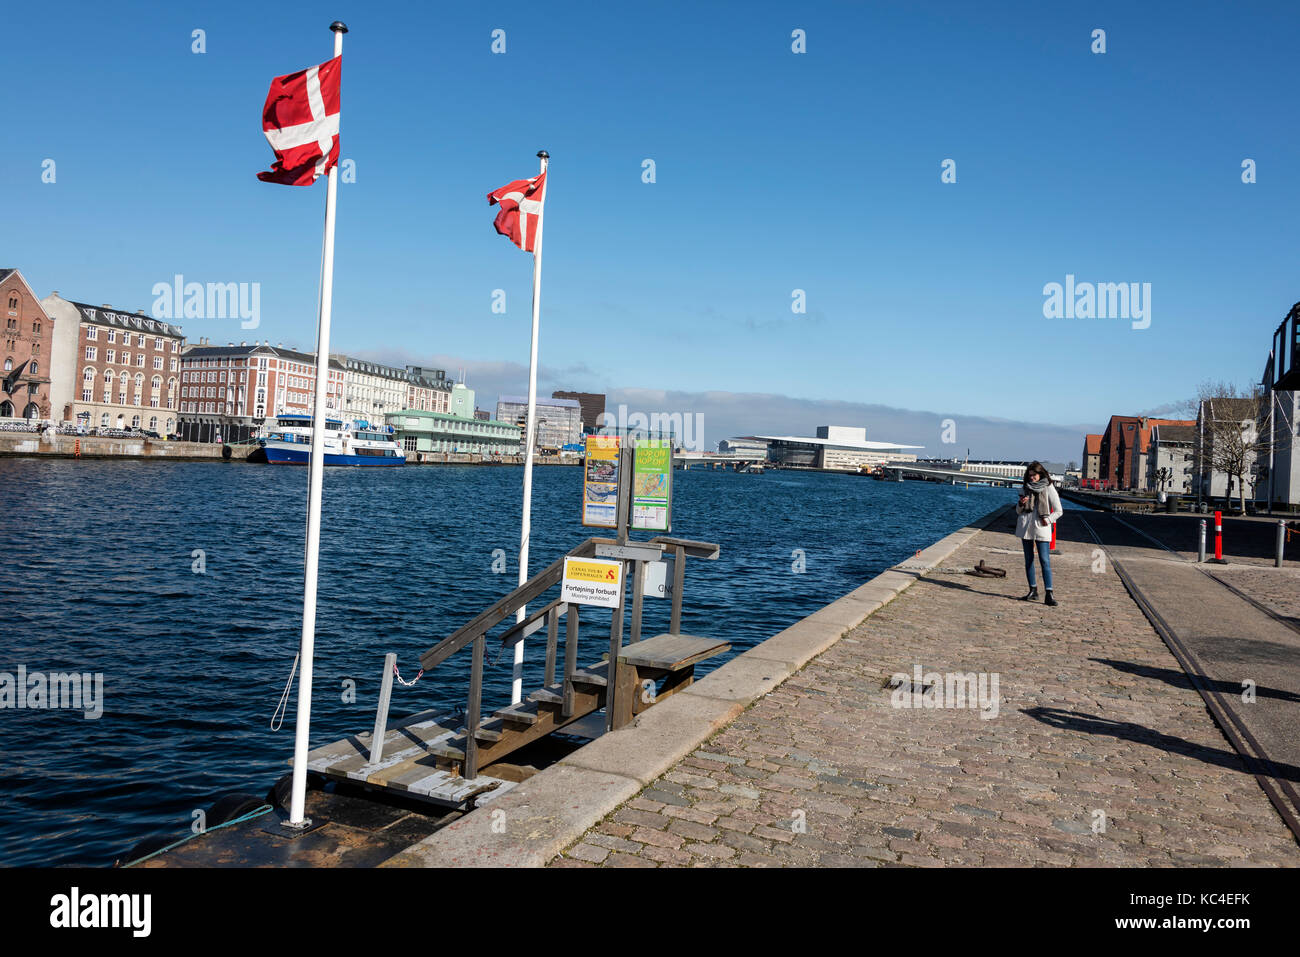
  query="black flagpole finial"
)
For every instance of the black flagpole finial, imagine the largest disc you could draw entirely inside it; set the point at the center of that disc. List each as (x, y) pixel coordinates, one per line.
(338, 26)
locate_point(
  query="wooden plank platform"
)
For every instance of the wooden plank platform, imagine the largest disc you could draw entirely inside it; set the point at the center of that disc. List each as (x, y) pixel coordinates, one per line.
(671, 652)
(409, 764)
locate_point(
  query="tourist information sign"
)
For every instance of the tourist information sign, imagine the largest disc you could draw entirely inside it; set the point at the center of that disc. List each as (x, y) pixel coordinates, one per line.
(600, 482)
(652, 485)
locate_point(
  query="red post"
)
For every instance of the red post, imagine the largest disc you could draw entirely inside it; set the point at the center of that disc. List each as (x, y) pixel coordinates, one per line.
(1052, 547)
(1218, 536)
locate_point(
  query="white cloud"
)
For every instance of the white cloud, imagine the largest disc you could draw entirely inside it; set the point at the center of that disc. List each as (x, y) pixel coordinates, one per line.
(746, 413)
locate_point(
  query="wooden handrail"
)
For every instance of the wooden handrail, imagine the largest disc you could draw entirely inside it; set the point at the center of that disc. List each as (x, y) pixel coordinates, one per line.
(511, 603)
(521, 630)
(692, 548)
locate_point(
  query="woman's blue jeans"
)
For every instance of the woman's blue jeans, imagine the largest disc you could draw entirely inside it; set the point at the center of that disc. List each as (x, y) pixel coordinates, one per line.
(1044, 559)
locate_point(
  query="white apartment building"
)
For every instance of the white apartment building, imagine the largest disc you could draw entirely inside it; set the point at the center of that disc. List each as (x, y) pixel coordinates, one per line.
(1212, 482)
(1172, 447)
(372, 390)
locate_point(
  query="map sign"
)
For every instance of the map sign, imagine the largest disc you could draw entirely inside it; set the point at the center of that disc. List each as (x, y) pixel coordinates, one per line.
(652, 485)
(600, 482)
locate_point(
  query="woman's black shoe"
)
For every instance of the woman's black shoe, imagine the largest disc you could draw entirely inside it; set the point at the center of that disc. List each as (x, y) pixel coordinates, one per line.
(1049, 600)
(1032, 596)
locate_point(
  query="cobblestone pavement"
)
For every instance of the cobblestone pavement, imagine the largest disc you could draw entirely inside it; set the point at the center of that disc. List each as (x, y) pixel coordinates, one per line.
(1091, 760)
(1275, 588)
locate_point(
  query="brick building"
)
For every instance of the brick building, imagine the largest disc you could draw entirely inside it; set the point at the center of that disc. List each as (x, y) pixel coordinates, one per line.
(115, 369)
(230, 390)
(1125, 446)
(28, 347)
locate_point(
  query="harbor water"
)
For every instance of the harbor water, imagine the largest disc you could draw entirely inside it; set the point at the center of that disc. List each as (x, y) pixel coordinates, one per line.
(181, 583)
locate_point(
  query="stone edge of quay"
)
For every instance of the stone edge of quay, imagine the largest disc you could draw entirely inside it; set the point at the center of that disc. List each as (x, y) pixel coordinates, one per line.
(552, 810)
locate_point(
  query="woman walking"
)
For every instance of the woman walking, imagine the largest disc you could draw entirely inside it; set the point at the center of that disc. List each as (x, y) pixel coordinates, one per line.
(1038, 509)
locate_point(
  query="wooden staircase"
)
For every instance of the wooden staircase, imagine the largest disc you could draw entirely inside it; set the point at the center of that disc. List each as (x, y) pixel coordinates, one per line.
(438, 757)
(546, 710)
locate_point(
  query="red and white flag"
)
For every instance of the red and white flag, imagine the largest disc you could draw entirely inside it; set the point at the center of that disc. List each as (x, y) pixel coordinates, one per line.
(521, 210)
(301, 122)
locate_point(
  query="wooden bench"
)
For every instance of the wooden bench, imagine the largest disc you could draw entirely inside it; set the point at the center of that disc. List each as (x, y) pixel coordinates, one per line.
(671, 657)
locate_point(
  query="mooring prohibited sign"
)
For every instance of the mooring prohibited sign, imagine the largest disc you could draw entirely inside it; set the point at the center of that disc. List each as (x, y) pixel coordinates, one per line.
(592, 581)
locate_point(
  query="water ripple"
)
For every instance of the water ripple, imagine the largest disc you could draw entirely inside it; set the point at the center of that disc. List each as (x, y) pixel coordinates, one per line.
(100, 578)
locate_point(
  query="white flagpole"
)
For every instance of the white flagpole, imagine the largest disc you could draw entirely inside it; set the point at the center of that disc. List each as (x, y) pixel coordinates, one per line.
(316, 471)
(517, 686)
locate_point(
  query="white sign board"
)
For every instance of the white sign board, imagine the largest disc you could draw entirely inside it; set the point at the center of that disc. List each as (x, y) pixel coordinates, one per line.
(658, 581)
(592, 581)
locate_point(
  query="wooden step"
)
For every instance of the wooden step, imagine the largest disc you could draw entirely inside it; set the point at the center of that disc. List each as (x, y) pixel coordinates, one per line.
(489, 731)
(446, 749)
(552, 694)
(595, 675)
(523, 713)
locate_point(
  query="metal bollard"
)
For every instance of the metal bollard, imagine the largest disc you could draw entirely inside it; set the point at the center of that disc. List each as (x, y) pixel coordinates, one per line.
(1200, 549)
(1281, 543)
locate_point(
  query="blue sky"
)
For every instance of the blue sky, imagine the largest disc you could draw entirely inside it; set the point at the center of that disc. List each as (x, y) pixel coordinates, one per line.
(775, 171)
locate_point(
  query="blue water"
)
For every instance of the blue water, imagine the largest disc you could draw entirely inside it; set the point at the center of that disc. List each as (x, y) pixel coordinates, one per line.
(97, 577)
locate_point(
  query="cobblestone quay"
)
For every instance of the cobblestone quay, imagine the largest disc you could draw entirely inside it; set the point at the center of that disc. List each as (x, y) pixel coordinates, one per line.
(1084, 763)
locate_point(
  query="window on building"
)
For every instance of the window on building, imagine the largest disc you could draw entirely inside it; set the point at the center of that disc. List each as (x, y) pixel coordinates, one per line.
(157, 344)
(35, 367)
(92, 333)
(157, 362)
(103, 419)
(13, 302)
(139, 359)
(110, 355)
(36, 328)
(112, 335)
(135, 421)
(90, 353)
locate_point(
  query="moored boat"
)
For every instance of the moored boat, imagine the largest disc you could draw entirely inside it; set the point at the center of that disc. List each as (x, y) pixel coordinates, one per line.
(286, 440)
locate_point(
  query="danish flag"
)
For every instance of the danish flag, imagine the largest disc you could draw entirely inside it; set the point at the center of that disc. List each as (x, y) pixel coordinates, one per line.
(301, 122)
(521, 210)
